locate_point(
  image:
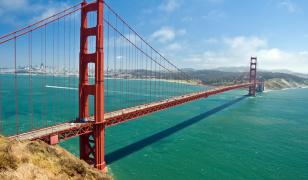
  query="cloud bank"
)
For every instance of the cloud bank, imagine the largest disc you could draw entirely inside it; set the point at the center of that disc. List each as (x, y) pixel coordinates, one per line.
(236, 51)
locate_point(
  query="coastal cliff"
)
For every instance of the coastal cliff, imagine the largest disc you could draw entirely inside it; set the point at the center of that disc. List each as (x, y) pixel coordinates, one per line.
(38, 160)
(280, 83)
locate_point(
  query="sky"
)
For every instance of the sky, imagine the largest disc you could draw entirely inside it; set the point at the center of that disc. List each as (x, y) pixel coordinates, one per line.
(200, 34)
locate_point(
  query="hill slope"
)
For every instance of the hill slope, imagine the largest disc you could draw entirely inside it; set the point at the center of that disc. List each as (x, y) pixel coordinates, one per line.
(38, 160)
(273, 80)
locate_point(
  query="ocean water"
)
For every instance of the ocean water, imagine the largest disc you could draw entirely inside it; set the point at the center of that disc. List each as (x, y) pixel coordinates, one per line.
(228, 136)
(38, 101)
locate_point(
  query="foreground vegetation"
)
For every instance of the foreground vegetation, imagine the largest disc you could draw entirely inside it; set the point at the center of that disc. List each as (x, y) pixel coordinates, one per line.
(38, 160)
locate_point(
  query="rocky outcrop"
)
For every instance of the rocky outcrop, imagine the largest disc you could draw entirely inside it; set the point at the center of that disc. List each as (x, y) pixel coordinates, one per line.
(38, 160)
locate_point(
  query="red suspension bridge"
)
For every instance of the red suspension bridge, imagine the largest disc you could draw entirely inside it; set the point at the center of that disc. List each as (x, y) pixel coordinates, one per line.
(84, 69)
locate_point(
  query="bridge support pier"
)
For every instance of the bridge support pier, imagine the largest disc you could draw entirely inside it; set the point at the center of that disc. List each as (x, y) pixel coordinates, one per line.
(92, 144)
(253, 76)
(53, 139)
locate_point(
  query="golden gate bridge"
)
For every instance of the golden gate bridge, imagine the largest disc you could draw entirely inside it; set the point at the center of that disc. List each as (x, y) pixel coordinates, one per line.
(90, 48)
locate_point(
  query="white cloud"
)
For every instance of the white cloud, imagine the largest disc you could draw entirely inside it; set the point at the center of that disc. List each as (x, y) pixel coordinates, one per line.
(121, 41)
(214, 15)
(303, 53)
(290, 6)
(53, 9)
(174, 47)
(13, 5)
(10, 9)
(26, 11)
(279, 59)
(170, 5)
(166, 34)
(239, 49)
(245, 44)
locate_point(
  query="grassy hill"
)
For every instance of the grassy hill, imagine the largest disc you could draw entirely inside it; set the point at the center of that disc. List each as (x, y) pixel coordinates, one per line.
(38, 160)
(273, 80)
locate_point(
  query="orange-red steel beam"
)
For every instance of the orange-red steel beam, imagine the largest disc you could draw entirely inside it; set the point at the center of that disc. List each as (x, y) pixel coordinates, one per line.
(92, 144)
(99, 131)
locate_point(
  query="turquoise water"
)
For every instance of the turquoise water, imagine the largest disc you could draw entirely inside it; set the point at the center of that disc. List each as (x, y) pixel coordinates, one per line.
(228, 136)
(38, 101)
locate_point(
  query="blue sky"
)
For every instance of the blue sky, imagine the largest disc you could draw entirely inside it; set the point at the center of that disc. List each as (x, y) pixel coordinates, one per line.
(201, 33)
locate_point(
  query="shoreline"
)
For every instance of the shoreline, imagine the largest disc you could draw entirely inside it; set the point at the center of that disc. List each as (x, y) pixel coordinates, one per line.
(189, 82)
(285, 89)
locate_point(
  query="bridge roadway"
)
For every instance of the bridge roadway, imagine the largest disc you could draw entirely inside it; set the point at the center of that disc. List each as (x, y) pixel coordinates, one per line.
(62, 131)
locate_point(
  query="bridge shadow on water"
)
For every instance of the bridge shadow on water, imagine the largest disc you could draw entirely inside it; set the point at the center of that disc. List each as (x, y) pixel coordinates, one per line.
(136, 146)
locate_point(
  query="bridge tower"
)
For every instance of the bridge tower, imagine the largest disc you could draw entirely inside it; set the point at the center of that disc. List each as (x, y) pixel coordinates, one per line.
(253, 76)
(92, 144)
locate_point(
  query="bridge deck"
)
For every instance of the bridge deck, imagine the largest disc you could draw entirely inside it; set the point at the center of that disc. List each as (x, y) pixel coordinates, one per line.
(71, 129)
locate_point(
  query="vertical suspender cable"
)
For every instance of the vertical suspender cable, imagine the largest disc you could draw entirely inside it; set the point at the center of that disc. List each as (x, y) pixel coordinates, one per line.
(133, 56)
(15, 88)
(130, 87)
(41, 78)
(107, 61)
(155, 77)
(58, 68)
(151, 75)
(140, 73)
(64, 64)
(146, 73)
(74, 67)
(121, 59)
(69, 57)
(127, 71)
(53, 69)
(30, 80)
(114, 64)
(45, 78)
